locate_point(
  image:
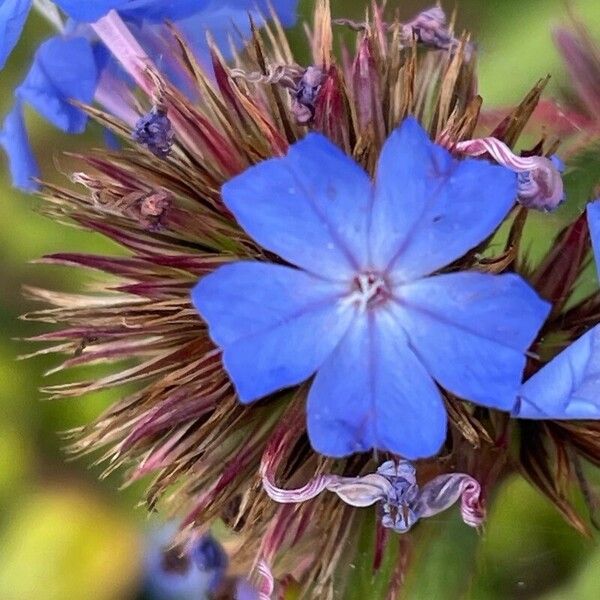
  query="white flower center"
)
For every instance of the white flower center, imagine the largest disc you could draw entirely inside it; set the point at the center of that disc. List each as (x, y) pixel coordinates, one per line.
(368, 290)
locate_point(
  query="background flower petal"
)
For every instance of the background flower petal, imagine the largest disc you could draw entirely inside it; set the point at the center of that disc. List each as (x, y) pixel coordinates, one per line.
(430, 208)
(310, 207)
(373, 392)
(92, 10)
(62, 69)
(568, 387)
(471, 331)
(159, 10)
(13, 14)
(593, 219)
(276, 324)
(15, 141)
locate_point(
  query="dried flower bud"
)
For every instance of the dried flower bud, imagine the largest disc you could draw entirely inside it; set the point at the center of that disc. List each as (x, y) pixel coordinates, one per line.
(361, 491)
(305, 94)
(395, 486)
(429, 28)
(542, 187)
(540, 180)
(153, 209)
(410, 503)
(154, 131)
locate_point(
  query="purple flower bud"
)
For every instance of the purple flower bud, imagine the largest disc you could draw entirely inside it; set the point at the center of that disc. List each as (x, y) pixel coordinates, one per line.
(429, 28)
(408, 503)
(394, 484)
(305, 94)
(154, 131)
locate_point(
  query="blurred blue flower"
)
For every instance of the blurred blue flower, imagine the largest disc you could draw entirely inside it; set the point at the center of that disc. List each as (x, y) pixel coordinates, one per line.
(173, 575)
(361, 310)
(71, 65)
(568, 387)
(62, 69)
(13, 138)
(13, 14)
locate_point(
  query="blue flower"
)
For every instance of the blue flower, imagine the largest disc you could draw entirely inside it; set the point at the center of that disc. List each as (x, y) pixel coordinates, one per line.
(172, 574)
(13, 14)
(69, 66)
(361, 308)
(63, 69)
(568, 387)
(14, 140)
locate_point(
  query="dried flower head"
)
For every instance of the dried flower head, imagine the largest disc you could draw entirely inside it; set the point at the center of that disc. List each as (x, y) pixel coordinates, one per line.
(258, 468)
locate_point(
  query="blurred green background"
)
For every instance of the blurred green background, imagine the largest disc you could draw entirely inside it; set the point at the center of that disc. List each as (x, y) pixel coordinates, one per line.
(65, 535)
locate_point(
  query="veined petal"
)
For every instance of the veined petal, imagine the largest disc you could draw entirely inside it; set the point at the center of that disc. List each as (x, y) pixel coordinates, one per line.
(568, 387)
(152, 10)
(309, 207)
(374, 393)
(276, 324)
(91, 10)
(593, 219)
(15, 141)
(62, 69)
(430, 208)
(230, 19)
(173, 10)
(471, 331)
(13, 14)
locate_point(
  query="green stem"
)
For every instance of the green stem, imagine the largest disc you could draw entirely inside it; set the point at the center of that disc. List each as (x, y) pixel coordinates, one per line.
(439, 555)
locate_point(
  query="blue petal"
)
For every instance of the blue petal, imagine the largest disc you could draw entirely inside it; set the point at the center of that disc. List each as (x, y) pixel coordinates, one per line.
(174, 10)
(471, 331)
(13, 14)
(62, 69)
(161, 582)
(373, 392)
(276, 325)
(224, 23)
(92, 10)
(15, 141)
(430, 208)
(568, 387)
(310, 207)
(593, 219)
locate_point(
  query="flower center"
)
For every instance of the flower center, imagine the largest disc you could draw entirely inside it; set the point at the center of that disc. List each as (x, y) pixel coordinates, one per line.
(368, 291)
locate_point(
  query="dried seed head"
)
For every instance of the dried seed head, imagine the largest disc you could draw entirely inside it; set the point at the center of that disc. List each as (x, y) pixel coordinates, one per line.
(179, 417)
